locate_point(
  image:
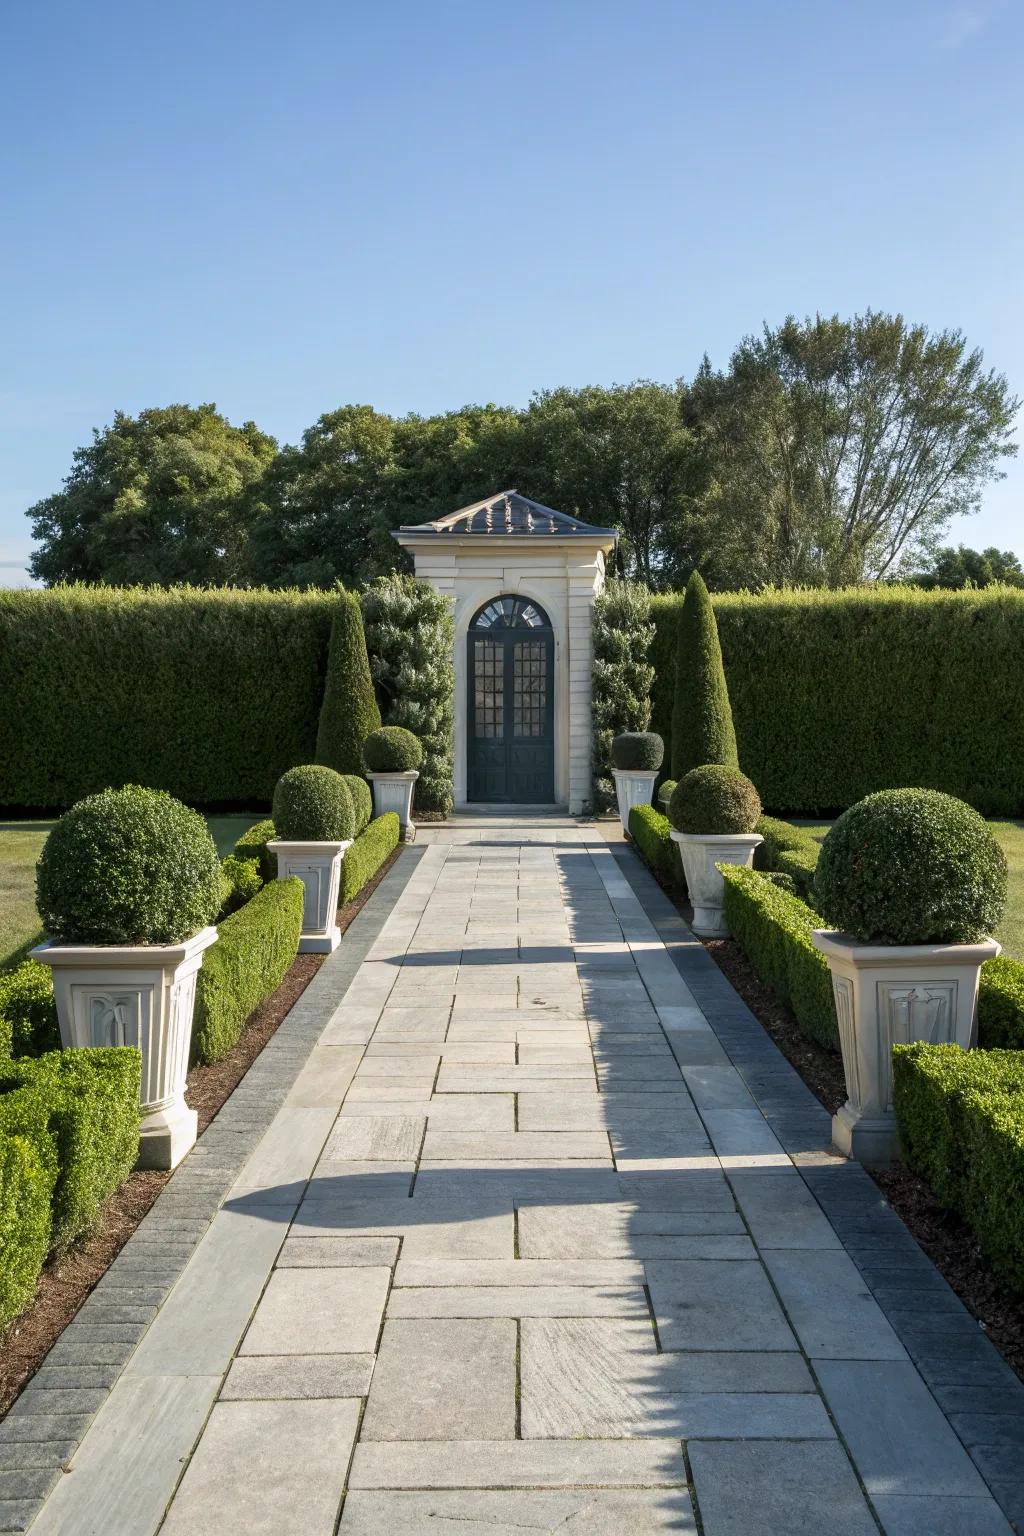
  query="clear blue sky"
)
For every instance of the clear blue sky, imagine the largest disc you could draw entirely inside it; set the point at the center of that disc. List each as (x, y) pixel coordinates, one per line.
(282, 208)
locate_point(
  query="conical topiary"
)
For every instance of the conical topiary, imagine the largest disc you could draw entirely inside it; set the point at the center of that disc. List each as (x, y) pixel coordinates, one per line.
(349, 710)
(702, 728)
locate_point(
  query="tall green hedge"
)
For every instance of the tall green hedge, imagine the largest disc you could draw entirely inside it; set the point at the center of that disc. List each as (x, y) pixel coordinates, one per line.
(208, 694)
(836, 694)
(349, 710)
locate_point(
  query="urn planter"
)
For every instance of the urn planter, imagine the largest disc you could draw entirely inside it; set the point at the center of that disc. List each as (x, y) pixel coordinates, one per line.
(701, 853)
(886, 995)
(393, 792)
(318, 866)
(633, 786)
(141, 995)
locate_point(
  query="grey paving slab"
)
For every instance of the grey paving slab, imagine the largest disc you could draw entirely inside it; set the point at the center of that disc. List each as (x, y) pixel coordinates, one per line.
(777, 1488)
(384, 1138)
(716, 1304)
(573, 1512)
(444, 1379)
(781, 1212)
(297, 1376)
(830, 1307)
(651, 1463)
(543, 1146)
(474, 1272)
(342, 1252)
(445, 1111)
(618, 1231)
(319, 1311)
(518, 1301)
(940, 1516)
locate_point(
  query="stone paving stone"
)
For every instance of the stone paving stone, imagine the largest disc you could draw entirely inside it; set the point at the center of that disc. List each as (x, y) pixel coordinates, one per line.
(708, 1304)
(451, 1111)
(625, 1232)
(383, 1088)
(433, 1272)
(697, 1190)
(777, 1488)
(518, 1301)
(391, 1138)
(648, 1463)
(318, 1311)
(268, 1468)
(832, 1311)
(575, 1512)
(337, 1252)
(323, 1079)
(298, 1376)
(781, 1212)
(397, 1066)
(553, 1112)
(939, 1516)
(460, 1079)
(542, 1145)
(340, 1182)
(444, 1380)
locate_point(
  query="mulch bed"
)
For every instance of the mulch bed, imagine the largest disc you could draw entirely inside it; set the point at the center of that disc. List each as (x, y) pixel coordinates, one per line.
(65, 1283)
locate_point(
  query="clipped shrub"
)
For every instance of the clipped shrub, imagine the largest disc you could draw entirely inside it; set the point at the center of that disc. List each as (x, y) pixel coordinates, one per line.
(622, 675)
(28, 1011)
(410, 634)
(312, 805)
(392, 750)
(1001, 1004)
(362, 800)
(911, 866)
(349, 710)
(788, 850)
(702, 728)
(253, 845)
(641, 751)
(26, 1184)
(714, 800)
(254, 950)
(128, 866)
(240, 880)
(666, 791)
(650, 833)
(369, 851)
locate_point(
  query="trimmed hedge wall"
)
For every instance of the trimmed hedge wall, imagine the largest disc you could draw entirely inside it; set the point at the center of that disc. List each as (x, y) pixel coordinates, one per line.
(1001, 1004)
(28, 1013)
(26, 1183)
(961, 1121)
(253, 845)
(368, 852)
(208, 694)
(836, 694)
(254, 950)
(652, 839)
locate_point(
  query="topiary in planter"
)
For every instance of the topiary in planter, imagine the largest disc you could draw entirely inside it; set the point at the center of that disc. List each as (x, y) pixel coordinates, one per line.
(349, 710)
(714, 801)
(640, 751)
(911, 866)
(702, 728)
(128, 866)
(392, 749)
(362, 799)
(312, 805)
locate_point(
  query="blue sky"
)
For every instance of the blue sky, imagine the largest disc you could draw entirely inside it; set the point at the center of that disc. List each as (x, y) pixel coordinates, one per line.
(282, 208)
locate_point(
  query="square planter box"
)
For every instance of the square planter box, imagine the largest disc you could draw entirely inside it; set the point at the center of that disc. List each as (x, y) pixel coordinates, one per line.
(701, 853)
(393, 792)
(886, 995)
(318, 866)
(141, 995)
(632, 787)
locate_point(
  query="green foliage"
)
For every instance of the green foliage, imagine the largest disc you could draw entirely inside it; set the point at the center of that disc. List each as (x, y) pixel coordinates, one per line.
(911, 866)
(1001, 1004)
(621, 677)
(128, 866)
(650, 833)
(369, 851)
(714, 800)
(253, 953)
(788, 850)
(210, 695)
(702, 729)
(961, 1123)
(253, 845)
(773, 928)
(410, 633)
(349, 710)
(833, 693)
(392, 750)
(26, 1185)
(963, 567)
(312, 805)
(666, 790)
(240, 880)
(160, 497)
(641, 751)
(28, 1012)
(362, 799)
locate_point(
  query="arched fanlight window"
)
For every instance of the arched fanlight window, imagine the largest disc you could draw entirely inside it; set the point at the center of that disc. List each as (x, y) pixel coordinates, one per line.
(511, 613)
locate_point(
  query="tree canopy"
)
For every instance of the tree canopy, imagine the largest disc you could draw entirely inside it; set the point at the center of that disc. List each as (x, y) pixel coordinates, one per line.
(963, 567)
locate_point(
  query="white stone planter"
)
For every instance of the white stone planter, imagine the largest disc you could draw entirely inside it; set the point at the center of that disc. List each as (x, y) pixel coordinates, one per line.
(886, 995)
(141, 995)
(700, 854)
(393, 792)
(318, 866)
(632, 787)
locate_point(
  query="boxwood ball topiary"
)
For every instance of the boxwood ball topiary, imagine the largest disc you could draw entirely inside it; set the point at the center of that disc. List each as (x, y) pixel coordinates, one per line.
(128, 866)
(714, 800)
(312, 805)
(911, 866)
(641, 751)
(392, 749)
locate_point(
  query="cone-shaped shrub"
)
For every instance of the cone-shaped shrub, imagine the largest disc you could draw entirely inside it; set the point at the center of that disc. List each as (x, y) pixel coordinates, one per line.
(349, 710)
(312, 805)
(702, 728)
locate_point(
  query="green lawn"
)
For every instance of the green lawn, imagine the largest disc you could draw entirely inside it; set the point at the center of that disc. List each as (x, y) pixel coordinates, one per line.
(20, 844)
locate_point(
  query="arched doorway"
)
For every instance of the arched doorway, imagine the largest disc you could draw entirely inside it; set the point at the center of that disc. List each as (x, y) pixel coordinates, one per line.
(511, 716)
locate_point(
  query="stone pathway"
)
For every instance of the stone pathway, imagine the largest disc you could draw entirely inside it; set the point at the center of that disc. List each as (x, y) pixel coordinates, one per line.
(543, 1239)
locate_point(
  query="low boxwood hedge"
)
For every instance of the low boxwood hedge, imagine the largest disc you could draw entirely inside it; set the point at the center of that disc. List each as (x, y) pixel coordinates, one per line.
(652, 839)
(788, 850)
(28, 1012)
(240, 880)
(367, 853)
(26, 1185)
(1001, 1004)
(961, 1121)
(254, 949)
(253, 845)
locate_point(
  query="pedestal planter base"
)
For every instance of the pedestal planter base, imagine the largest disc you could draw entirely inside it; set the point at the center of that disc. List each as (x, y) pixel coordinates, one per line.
(393, 792)
(318, 866)
(141, 995)
(632, 787)
(889, 995)
(700, 854)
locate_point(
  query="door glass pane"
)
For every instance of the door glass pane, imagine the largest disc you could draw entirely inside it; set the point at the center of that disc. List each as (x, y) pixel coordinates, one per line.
(488, 689)
(530, 688)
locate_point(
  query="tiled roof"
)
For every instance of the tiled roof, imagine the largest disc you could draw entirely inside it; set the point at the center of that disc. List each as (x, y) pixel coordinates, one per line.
(509, 513)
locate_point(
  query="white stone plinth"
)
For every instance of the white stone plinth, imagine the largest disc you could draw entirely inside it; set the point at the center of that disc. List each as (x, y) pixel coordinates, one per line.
(318, 866)
(141, 995)
(393, 792)
(886, 995)
(632, 787)
(701, 853)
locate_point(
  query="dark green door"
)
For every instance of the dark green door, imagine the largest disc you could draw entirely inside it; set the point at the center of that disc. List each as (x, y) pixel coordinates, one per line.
(511, 704)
